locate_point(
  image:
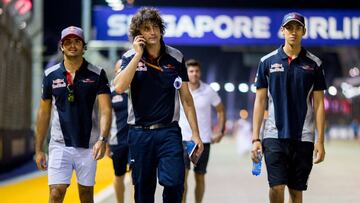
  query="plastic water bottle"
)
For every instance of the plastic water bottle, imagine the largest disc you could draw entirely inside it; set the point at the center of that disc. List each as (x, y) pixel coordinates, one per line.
(256, 169)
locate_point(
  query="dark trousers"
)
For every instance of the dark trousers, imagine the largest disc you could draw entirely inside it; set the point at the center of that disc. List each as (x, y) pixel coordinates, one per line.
(153, 153)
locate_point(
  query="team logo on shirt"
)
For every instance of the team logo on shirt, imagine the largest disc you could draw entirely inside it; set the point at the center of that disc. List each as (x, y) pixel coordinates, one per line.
(141, 67)
(307, 67)
(117, 98)
(87, 80)
(58, 83)
(276, 67)
(169, 66)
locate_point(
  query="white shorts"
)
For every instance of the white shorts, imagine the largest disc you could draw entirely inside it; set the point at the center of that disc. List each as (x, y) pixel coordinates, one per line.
(63, 160)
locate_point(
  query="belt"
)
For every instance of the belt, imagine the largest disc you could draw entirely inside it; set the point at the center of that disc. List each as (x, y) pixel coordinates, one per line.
(155, 126)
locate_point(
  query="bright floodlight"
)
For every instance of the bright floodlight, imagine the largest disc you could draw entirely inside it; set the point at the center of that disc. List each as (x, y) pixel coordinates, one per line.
(22, 25)
(229, 87)
(215, 86)
(243, 87)
(332, 90)
(253, 88)
(118, 8)
(354, 72)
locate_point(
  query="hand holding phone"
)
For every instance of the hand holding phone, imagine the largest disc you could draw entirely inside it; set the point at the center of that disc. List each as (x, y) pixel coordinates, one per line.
(191, 148)
(140, 40)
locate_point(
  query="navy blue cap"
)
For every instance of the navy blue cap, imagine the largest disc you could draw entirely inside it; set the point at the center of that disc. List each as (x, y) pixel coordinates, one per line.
(293, 16)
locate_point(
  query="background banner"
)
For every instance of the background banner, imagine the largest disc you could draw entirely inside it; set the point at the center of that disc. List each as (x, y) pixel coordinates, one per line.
(209, 26)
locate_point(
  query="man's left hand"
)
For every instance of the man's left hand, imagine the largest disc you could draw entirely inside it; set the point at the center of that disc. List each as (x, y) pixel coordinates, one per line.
(319, 152)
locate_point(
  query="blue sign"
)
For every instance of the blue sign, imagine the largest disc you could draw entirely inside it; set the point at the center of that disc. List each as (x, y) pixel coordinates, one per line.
(211, 26)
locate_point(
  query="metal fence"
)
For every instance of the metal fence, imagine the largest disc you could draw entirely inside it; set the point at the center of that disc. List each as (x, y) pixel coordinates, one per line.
(15, 76)
(15, 93)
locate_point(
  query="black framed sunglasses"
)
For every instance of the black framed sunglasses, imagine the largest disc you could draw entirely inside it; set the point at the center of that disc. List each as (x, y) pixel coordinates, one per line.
(70, 93)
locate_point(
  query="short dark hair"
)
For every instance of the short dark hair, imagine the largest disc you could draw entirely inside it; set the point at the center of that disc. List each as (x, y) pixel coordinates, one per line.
(192, 62)
(144, 15)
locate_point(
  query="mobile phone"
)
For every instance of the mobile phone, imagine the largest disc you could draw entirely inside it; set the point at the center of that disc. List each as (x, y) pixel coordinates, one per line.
(142, 45)
(191, 149)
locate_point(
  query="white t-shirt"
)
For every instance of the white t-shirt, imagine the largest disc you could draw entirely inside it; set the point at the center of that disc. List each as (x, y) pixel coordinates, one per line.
(204, 97)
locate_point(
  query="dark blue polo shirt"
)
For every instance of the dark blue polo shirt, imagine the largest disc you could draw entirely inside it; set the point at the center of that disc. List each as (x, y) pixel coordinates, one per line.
(72, 121)
(119, 128)
(290, 88)
(153, 96)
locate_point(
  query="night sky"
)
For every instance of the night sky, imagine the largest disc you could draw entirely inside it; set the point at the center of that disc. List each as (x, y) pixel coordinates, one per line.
(57, 16)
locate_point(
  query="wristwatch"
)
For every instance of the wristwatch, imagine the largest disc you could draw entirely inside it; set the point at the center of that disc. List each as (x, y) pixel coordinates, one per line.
(256, 140)
(102, 139)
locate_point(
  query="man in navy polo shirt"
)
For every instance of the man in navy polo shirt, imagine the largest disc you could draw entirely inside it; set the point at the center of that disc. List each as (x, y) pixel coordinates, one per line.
(290, 81)
(69, 91)
(157, 77)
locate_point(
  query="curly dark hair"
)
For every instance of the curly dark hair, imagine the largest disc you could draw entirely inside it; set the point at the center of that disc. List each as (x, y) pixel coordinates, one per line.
(144, 15)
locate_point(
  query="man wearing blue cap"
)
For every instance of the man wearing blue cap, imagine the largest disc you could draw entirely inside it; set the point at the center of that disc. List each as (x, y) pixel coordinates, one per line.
(290, 82)
(69, 91)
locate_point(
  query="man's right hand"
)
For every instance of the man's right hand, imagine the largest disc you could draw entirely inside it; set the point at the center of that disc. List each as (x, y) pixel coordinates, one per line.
(40, 158)
(139, 44)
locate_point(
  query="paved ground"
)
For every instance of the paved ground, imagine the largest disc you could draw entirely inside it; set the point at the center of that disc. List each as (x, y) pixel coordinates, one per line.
(229, 179)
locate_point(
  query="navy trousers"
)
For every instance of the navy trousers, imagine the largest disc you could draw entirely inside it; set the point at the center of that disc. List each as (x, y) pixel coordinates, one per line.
(157, 153)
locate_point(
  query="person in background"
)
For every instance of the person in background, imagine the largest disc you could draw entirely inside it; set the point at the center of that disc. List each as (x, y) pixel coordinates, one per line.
(290, 81)
(242, 133)
(70, 89)
(355, 127)
(204, 99)
(118, 147)
(156, 77)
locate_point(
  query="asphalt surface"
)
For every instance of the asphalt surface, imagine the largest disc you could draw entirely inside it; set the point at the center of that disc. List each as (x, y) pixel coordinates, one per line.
(229, 179)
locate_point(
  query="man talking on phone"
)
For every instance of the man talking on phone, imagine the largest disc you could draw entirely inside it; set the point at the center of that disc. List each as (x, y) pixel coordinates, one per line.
(156, 77)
